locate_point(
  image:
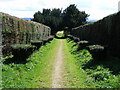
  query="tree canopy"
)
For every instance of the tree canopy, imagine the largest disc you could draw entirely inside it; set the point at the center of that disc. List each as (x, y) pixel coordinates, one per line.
(57, 19)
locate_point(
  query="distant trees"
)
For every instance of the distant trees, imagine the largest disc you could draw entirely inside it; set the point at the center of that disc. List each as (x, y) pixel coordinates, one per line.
(58, 20)
(73, 17)
(51, 18)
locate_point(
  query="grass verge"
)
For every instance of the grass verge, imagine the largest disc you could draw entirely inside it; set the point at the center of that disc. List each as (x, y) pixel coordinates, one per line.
(75, 76)
(36, 73)
(85, 72)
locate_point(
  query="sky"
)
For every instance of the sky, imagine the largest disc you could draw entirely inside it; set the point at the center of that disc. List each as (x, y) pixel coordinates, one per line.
(97, 9)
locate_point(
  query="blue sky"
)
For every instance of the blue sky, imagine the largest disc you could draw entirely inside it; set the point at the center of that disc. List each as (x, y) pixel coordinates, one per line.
(26, 8)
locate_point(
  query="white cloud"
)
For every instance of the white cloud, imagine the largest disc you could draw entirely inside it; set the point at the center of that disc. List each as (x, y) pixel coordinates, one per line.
(96, 14)
(101, 8)
(26, 8)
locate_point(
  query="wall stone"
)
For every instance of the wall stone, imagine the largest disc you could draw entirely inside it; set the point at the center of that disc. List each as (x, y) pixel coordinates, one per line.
(105, 32)
(18, 31)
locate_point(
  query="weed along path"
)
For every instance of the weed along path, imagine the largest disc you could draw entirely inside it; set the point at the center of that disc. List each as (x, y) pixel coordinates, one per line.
(52, 66)
(58, 71)
(58, 65)
(65, 73)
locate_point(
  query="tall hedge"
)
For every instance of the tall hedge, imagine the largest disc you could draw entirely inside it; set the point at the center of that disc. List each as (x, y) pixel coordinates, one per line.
(105, 32)
(19, 31)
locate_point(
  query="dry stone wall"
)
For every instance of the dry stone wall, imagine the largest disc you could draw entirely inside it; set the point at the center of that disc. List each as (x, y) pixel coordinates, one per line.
(18, 31)
(105, 32)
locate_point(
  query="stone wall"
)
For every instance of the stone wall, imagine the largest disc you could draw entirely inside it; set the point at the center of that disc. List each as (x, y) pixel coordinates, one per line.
(105, 32)
(18, 31)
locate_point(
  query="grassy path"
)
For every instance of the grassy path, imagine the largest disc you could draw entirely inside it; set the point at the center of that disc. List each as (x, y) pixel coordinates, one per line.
(67, 69)
(57, 65)
(52, 66)
(58, 71)
(66, 73)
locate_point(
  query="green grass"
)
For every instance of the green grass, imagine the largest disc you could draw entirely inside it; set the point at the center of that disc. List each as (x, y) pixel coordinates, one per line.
(36, 73)
(60, 34)
(75, 76)
(90, 73)
(81, 71)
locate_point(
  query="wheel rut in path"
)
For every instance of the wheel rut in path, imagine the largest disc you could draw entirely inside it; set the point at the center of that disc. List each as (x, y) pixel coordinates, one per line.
(58, 71)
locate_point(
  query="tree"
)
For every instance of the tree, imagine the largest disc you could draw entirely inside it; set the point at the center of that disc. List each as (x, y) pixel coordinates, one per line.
(56, 19)
(73, 17)
(51, 18)
(46, 12)
(38, 17)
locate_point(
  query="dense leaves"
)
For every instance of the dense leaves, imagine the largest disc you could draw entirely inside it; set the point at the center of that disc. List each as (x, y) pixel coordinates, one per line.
(35, 73)
(100, 74)
(58, 20)
(73, 17)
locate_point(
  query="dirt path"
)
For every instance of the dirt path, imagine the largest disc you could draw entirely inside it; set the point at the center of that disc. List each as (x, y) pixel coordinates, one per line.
(57, 77)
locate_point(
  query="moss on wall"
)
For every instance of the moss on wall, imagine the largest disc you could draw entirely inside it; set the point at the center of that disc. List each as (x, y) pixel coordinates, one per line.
(105, 32)
(19, 31)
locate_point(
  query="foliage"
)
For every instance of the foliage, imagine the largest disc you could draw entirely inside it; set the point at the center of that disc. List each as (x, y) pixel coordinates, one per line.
(58, 20)
(37, 43)
(19, 31)
(99, 73)
(96, 47)
(50, 18)
(75, 76)
(60, 34)
(20, 53)
(35, 73)
(22, 46)
(5, 58)
(73, 17)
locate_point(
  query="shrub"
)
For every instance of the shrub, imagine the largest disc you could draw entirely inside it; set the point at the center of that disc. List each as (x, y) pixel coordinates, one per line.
(98, 52)
(5, 59)
(82, 44)
(50, 38)
(22, 51)
(45, 41)
(95, 48)
(73, 38)
(101, 74)
(38, 44)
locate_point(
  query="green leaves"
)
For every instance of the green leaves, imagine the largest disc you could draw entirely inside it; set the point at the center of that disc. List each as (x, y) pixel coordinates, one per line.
(58, 20)
(73, 17)
(33, 74)
(98, 75)
(22, 46)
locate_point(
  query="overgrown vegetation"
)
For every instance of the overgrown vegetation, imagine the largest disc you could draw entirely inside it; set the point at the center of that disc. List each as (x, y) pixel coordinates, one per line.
(18, 31)
(75, 76)
(97, 74)
(21, 52)
(36, 73)
(81, 69)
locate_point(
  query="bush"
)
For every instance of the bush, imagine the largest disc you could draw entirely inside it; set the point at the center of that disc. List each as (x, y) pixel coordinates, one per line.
(45, 41)
(6, 59)
(50, 38)
(38, 44)
(73, 38)
(101, 74)
(22, 51)
(98, 52)
(82, 45)
(95, 48)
